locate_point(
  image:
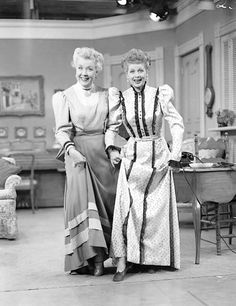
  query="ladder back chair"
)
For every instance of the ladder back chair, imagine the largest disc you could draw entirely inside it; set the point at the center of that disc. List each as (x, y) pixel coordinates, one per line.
(24, 153)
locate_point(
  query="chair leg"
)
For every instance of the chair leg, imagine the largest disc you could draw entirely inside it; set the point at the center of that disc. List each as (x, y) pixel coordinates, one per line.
(231, 223)
(218, 241)
(197, 229)
(32, 199)
(204, 215)
(35, 199)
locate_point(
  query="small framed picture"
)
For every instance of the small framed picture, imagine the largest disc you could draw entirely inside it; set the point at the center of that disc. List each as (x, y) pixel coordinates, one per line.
(39, 132)
(3, 132)
(20, 132)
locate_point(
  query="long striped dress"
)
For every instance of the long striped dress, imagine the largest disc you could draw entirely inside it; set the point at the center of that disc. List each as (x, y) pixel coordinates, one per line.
(89, 120)
(145, 224)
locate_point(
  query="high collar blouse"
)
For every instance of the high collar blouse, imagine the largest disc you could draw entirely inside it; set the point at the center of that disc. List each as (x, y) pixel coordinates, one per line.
(143, 113)
(93, 111)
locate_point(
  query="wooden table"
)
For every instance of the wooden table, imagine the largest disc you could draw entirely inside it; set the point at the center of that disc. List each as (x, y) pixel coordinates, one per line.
(204, 185)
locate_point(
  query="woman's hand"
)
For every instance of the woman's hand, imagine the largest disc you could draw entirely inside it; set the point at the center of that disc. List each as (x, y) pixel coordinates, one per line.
(174, 165)
(76, 156)
(115, 157)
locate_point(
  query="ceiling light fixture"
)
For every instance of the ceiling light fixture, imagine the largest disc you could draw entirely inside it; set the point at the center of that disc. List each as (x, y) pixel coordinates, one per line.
(159, 10)
(121, 2)
(124, 2)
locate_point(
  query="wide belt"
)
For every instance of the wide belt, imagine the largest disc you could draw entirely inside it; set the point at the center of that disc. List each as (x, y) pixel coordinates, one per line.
(147, 138)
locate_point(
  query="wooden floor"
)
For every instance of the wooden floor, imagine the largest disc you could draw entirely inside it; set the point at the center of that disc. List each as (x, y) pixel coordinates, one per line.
(31, 272)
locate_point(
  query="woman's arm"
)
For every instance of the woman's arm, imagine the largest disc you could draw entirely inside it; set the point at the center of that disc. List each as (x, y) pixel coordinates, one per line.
(62, 119)
(114, 118)
(174, 119)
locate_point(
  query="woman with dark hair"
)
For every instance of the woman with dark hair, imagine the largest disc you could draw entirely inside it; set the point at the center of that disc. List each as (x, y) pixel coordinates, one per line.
(145, 224)
(87, 120)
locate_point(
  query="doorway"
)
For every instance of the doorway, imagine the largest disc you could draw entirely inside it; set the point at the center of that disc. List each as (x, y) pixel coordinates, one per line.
(190, 93)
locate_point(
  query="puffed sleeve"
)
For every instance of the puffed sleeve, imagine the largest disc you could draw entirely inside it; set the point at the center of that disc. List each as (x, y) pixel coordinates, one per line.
(174, 119)
(114, 118)
(62, 119)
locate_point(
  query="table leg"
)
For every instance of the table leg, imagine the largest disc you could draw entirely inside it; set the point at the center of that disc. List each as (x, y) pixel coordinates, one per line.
(196, 220)
(218, 242)
(197, 229)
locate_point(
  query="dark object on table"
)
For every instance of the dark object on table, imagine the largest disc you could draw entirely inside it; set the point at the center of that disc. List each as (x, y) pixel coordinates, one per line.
(186, 159)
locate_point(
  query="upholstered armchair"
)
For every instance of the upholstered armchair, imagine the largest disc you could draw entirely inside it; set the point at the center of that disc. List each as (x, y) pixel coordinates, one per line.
(8, 222)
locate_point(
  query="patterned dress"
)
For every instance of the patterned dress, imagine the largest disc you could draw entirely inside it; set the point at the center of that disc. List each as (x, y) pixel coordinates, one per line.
(145, 222)
(89, 120)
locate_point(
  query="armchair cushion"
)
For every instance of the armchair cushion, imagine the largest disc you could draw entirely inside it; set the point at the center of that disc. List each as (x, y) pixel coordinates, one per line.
(7, 168)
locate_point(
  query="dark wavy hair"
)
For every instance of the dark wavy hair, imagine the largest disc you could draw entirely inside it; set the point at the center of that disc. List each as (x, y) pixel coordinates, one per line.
(136, 56)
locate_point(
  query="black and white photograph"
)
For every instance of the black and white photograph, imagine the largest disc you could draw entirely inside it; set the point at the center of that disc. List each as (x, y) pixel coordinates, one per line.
(117, 152)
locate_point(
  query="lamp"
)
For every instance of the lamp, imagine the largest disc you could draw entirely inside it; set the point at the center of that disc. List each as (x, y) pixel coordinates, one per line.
(121, 2)
(159, 11)
(124, 2)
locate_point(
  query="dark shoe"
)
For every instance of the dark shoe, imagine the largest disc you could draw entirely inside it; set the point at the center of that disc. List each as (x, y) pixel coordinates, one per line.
(81, 271)
(119, 276)
(98, 269)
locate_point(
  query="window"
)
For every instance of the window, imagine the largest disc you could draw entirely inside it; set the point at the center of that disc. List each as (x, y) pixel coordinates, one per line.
(228, 69)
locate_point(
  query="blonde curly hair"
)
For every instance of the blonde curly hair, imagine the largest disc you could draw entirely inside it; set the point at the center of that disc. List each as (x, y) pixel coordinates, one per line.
(136, 56)
(89, 53)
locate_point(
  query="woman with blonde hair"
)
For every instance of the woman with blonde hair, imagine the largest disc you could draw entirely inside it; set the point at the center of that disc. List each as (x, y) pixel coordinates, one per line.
(87, 120)
(145, 224)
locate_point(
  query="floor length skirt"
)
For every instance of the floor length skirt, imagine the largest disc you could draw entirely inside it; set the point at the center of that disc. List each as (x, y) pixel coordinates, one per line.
(89, 202)
(145, 222)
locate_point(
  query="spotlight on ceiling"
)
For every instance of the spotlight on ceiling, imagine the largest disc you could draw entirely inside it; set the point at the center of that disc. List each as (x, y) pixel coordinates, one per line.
(159, 11)
(121, 2)
(124, 2)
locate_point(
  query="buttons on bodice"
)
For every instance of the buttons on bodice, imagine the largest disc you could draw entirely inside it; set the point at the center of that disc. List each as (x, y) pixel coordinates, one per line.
(140, 114)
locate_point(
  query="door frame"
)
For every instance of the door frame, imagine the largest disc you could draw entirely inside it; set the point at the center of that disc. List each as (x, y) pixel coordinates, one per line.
(192, 45)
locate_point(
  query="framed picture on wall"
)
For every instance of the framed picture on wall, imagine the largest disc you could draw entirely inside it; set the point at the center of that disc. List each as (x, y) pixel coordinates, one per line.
(21, 96)
(39, 132)
(20, 132)
(3, 132)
